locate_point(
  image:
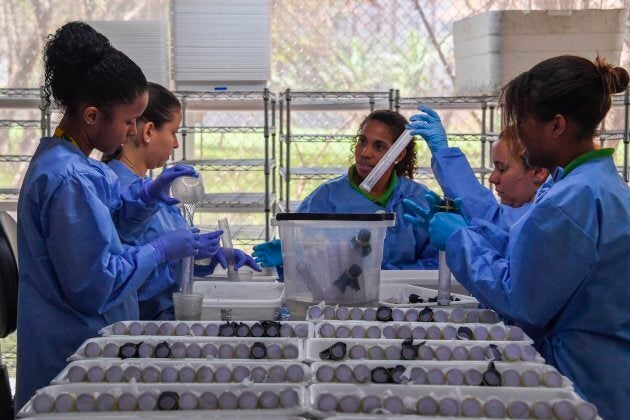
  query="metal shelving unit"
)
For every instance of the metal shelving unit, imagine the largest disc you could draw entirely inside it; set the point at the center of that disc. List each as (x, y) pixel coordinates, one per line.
(235, 202)
(291, 101)
(21, 100)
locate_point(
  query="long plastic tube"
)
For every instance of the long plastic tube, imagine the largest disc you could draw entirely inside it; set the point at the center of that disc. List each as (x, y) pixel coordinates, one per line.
(386, 161)
(228, 249)
(444, 281)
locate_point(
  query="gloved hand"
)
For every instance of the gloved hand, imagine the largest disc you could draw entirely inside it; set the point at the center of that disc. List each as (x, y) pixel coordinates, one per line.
(429, 126)
(240, 259)
(176, 245)
(158, 188)
(420, 216)
(389, 266)
(442, 226)
(209, 244)
(268, 254)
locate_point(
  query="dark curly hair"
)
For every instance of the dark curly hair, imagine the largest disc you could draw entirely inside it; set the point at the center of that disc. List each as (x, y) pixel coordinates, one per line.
(81, 66)
(396, 122)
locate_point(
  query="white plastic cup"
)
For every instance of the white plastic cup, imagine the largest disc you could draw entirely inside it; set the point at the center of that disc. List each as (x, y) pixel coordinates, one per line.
(188, 306)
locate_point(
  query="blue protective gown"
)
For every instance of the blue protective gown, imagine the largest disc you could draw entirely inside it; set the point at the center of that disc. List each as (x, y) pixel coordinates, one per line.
(406, 247)
(565, 268)
(75, 275)
(457, 179)
(154, 304)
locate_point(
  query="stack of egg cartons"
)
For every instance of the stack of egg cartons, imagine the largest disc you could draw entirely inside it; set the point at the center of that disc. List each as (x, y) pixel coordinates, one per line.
(188, 368)
(431, 361)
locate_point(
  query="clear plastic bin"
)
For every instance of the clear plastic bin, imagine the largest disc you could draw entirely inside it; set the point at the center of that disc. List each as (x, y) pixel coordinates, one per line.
(334, 258)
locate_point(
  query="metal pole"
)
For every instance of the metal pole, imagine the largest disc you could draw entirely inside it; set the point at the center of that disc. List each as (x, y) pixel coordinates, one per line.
(391, 99)
(183, 130)
(288, 146)
(372, 103)
(397, 100)
(267, 172)
(281, 178)
(626, 134)
(273, 150)
(484, 106)
(491, 142)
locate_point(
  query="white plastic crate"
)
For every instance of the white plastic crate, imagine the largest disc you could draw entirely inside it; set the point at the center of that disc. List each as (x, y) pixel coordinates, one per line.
(136, 390)
(417, 330)
(240, 301)
(179, 371)
(183, 347)
(321, 313)
(533, 375)
(406, 398)
(297, 329)
(378, 350)
(397, 295)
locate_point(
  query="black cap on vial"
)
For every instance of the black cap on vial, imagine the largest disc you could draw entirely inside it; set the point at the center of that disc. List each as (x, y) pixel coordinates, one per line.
(168, 400)
(384, 313)
(380, 375)
(492, 377)
(227, 330)
(128, 350)
(335, 352)
(162, 350)
(425, 315)
(258, 350)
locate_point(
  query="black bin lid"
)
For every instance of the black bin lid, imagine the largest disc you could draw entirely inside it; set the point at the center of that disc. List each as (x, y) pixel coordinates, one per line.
(351, 217)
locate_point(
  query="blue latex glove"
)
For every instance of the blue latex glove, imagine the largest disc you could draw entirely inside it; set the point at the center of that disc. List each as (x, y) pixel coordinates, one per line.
(420, 216)
(442, 226)
(158, 189)
(268, 254)
(177, 244)
(429, 126)
(240, 259)
(209, 244)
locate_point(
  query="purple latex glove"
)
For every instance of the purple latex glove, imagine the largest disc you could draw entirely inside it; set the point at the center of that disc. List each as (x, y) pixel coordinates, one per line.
(240, 259)
(158, 189)
(176, 245)
(209, 244)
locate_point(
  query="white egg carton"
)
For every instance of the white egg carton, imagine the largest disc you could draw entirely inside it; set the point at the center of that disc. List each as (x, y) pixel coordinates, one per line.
(297, 329)
(181, 371)
(210, 348)
(417, 330)
(440, 350)
(241, 301)
(531, 375)
(321, 312)
(397, 295)
(450, 401)
(227, 398)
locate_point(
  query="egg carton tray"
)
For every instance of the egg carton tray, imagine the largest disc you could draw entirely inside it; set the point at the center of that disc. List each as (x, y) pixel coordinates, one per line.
(77, 400)
(208, 348)
(451, 401)
(419, 331)
(440, 350)
(320, 313)
(297, 329)
(532, 375)
(181, 371)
